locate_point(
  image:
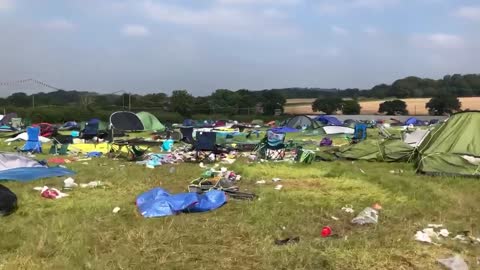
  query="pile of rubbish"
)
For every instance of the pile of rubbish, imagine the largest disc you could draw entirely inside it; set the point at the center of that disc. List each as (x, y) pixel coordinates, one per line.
(69, 184)
(435, 233)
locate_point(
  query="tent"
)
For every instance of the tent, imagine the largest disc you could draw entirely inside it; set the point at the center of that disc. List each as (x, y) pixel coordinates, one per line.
(8, 118)
(126, 121)
(452, 147)
(302, 122)
(21, 168)
(46, 129)
(150, 122)
(70, 125)
(389, 151)
(328, 120)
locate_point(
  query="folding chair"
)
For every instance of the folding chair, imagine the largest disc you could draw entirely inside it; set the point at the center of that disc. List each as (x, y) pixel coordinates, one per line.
(89, 132)
(272, 147)
(206, 143)
(187, 135)
(33, 144)
(360, 132)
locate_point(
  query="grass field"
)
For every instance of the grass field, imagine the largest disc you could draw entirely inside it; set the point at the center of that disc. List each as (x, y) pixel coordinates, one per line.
(415, 106)
(81, 232)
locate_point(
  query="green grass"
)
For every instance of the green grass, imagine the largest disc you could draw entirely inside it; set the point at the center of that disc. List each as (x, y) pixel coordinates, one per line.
(81, 232)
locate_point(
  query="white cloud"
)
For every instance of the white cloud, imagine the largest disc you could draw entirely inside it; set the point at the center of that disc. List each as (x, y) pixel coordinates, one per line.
(134, 30)
(59, 24)
(469, 12)
(342, 6)
(6, 4)
(438, 41)
(221, 18)
(337, 30)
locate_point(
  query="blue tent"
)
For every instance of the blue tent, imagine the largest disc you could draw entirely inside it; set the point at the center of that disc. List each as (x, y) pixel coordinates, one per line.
(412, 121)
(329, 120)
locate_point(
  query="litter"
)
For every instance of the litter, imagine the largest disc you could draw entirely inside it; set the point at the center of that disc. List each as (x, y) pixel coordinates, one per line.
(444, 232)
(69, 183)
(92, 184)
(334, 217)
(454, 263)
(260, 182)
(326, 231)
(289, 240)
(436, 226)
(423, 237)
(348, 209)
(367, 216)
(278, 187)
(276, 179)
(52, 193)
(116, 210)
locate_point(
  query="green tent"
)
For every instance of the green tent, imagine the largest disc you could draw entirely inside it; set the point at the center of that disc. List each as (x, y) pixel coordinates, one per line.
(453, 147)
(150, 122)
(371, 150)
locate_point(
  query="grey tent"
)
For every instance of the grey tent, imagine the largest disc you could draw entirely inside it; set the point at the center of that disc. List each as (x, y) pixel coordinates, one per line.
(302, 122)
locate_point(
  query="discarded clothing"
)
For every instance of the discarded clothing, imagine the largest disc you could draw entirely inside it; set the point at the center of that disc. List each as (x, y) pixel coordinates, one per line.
(158, 202)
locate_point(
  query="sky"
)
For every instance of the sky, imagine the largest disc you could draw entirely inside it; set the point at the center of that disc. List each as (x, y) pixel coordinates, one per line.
(148, 46)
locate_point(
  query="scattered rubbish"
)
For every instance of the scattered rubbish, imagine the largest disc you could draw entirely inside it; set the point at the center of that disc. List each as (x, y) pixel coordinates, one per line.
(368, 215)
(92, 184)
(454, 263)
(260, 182)
(201, 165)
(171, 170)
(326, 231)
(276, 179)
(399, 171)
(94, 154)
(362, 171)
(423, 237)
(436, 226)
(69, 183)
(348, 209)
(334, 217)
(52, 193)
(288, 240)
(116, 210)
(85, 163)
(278, 187)
(444, 232)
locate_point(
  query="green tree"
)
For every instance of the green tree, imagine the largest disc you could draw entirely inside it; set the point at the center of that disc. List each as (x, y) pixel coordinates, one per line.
(351, 107)
(19, 100)
(272, 101)
(393, 107)
(182, 102)
(443, 104)
(327, 105)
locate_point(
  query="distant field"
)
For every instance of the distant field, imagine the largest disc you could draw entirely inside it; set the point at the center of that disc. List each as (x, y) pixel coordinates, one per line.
(416, 106)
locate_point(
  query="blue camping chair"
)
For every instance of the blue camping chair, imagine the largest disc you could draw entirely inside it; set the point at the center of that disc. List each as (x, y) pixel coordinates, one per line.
(360, 132)
(187, 135)
(206, 143)
(90, 131)
(272, 147)
(33, 144)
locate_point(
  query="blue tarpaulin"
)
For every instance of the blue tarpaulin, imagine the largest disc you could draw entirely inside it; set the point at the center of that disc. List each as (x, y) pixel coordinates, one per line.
(329, 120)
(33, 173)
(158, 202)
(284, 129)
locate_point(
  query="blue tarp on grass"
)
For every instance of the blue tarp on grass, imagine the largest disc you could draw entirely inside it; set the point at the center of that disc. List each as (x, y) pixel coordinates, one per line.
(158, 202)
(33, 173)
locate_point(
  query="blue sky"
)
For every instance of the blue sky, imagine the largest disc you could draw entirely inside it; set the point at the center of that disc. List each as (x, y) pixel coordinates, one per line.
(201, 45)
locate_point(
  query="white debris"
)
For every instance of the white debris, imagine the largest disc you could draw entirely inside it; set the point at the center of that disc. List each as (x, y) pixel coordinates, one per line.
(69, 183)
(278, 187)
(454, 263)
(348, 209)
(116, 210)
(423, 237)
(444, 232)
(261, 182)
(276, 179)
(436, 226)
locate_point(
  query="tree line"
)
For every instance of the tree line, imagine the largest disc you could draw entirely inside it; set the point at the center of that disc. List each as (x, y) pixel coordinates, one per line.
(248, 102)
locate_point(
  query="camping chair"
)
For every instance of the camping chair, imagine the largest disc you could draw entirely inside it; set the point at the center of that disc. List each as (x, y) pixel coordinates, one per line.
(90, 131)
(187, 135)
(272, 147)
(360, 132)
(33, 144)
(60, 145)
(206, 144)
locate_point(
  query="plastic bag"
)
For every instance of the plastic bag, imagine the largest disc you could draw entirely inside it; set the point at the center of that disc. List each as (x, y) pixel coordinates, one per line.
(367, 216)
(454, 263)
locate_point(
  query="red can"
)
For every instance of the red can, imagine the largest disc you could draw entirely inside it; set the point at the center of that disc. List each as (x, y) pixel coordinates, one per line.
(326, 231)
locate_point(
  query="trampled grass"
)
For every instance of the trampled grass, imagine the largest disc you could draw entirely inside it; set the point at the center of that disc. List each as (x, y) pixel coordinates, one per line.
(81, 232)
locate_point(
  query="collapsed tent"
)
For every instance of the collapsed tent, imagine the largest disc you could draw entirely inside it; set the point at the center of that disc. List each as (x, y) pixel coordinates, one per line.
(416, 137)
(328, 120)
(158, 202)
(23, 169)
(389, 151)
(453, 147)
(70, 125)
(302, 122)
(46, 129)
(126, 121)
(150, 122)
